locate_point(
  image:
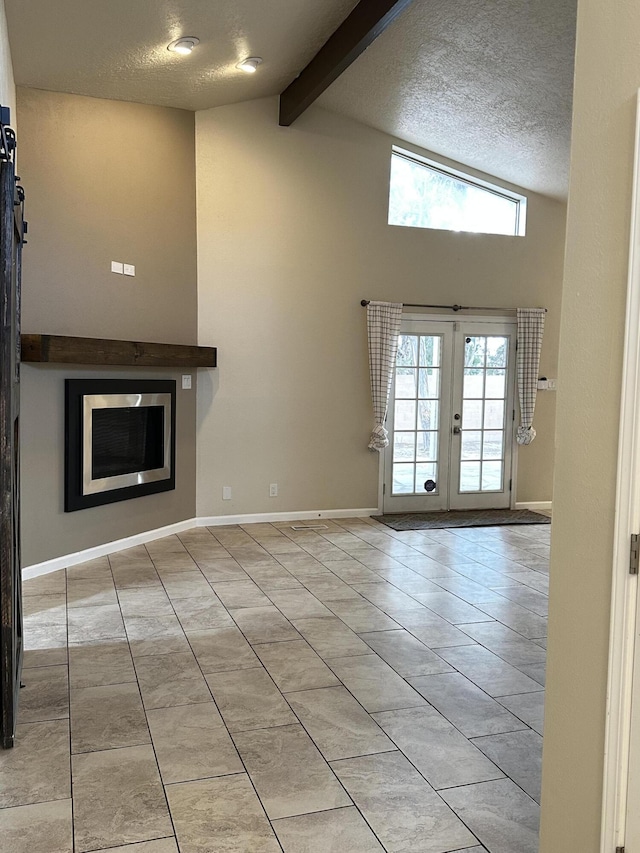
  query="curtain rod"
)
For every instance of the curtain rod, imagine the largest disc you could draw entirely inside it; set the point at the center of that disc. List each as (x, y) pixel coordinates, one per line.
(365, 302)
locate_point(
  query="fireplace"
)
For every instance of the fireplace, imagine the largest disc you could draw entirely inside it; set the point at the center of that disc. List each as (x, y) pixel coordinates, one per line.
(120, 440)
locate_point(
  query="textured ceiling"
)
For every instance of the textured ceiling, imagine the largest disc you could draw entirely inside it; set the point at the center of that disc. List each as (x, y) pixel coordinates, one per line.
(484, 82)
(118, 48)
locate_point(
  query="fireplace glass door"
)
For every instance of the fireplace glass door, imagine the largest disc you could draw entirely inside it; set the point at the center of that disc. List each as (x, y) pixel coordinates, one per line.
(127, 440)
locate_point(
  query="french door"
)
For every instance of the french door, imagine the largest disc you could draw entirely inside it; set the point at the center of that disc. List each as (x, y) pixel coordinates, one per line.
(451, 417)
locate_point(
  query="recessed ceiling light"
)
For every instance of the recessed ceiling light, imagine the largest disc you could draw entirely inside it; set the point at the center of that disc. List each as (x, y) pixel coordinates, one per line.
(183, 45)
(250, 64)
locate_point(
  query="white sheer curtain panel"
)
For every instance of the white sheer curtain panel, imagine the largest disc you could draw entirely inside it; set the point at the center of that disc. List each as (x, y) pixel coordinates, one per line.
(530, 332)
(383, 327)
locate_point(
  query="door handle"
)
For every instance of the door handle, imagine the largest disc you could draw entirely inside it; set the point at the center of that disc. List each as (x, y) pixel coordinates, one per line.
(457, 430)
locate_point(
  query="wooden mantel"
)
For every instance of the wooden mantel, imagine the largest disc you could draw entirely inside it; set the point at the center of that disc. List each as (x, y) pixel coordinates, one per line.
(59, 349)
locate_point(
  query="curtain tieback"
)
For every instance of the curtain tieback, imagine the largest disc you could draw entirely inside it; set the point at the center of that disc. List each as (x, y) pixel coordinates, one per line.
(525, 435)
(379, 438)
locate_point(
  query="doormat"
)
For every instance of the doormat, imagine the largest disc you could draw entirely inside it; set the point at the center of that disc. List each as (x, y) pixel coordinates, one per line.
(466, 518)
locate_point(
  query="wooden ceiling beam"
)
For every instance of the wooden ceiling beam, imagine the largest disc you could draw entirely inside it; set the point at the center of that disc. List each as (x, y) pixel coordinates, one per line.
(360, 28)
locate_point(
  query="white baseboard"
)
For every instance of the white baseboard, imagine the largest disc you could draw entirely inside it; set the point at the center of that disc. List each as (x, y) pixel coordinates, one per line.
(535, 506)
(87, 554)
(301, 515)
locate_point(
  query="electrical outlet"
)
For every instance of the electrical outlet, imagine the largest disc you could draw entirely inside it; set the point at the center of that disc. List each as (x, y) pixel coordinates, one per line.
(226, 493)
(186, 383)
(273, 490)
(118, 267)
(552, 386)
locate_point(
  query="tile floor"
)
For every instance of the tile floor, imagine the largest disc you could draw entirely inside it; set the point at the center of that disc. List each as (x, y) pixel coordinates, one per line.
(259, 688)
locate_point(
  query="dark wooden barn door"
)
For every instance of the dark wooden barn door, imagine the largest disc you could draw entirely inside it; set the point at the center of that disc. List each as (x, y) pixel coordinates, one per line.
(12, 229)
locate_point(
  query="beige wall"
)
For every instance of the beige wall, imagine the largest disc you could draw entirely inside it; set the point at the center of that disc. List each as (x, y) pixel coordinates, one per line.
(292, 234)
(108, 181)
(593, 313)
(7, 86)
(105, 181)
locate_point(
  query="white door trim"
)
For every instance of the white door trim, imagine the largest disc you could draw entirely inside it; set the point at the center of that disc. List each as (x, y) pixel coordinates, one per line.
(624, 591)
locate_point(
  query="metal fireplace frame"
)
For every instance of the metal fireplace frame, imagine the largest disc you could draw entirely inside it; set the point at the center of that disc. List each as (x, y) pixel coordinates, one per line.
(91, 402)
(83, 397)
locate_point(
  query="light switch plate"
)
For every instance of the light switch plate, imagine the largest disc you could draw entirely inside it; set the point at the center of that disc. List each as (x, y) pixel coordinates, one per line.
(116, 266)
(226, 493)
(186, 382)
(129, 269)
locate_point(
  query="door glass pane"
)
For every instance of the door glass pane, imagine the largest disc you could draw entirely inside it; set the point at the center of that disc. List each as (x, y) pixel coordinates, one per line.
(427, 447)
(497, 352)
(403, 479)
(430, 350)
(492, 444)
(471, 444)
(496, 383)
(428, 414)
(492, 476)
(472, 414)
(474, 351)
(469, 476)
(494, 414)
(406, 378)
(429, 383)
(407, 351)
(483, 413)
(404, 447)
(416, 421)
(405, 414)
(423, 474)
(473, 383)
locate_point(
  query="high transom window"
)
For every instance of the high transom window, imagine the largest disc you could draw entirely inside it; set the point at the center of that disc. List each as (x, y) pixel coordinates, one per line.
(424, 194)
